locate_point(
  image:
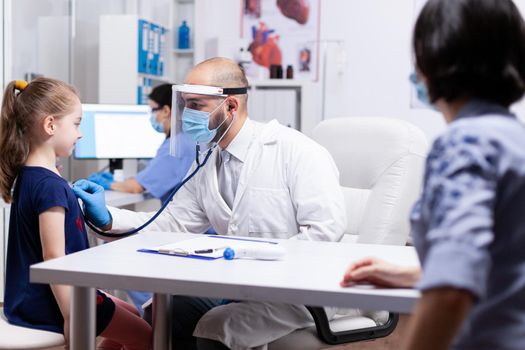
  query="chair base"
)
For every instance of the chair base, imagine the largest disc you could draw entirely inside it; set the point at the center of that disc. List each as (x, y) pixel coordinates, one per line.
(307, 338)
(341, 337)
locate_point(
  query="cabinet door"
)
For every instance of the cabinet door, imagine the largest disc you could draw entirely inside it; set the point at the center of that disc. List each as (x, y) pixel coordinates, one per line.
(269, 103)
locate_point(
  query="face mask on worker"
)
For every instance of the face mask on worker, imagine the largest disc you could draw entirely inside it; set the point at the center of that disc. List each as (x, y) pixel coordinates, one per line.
(195, 123)
(209, 129)
(157, 126)
(421, 91)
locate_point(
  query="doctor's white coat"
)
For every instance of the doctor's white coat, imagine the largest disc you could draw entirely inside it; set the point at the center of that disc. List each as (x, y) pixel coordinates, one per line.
(288, 188)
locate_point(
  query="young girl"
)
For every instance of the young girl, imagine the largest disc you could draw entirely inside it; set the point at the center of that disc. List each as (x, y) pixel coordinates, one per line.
(469, 224)
(39, 123)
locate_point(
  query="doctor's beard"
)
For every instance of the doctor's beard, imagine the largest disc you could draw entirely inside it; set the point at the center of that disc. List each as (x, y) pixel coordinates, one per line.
(224, 127)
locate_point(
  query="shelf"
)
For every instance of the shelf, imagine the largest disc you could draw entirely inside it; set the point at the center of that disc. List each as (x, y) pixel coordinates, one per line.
(183, 51)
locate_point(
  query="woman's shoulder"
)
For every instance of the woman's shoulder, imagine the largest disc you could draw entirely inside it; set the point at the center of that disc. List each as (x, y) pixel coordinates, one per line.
(484, 130)
(480, 141)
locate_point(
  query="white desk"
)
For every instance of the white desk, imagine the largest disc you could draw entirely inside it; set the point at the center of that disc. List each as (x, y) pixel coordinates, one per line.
(309, 274)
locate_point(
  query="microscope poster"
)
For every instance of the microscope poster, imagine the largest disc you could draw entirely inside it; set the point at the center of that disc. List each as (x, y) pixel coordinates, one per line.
(284, 33)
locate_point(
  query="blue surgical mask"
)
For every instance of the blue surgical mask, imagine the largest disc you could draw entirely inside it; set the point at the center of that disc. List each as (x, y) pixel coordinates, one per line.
(421, 90)
(195, 124)
(159, 127)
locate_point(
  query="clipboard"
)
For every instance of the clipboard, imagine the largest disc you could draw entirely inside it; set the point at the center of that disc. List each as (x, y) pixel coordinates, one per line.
(209, 247)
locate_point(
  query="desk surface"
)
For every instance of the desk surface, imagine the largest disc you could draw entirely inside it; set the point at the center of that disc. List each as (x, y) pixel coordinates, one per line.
(119, 199)
(309, 274)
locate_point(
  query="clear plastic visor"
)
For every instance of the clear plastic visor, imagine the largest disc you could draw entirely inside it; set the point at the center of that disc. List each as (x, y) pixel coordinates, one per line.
(195, 97)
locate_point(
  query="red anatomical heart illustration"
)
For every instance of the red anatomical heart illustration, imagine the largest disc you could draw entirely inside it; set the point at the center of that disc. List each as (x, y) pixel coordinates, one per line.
(265, 46)
(295, 9)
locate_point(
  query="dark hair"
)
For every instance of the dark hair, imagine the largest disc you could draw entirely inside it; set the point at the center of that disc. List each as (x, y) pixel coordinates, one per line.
(471, 49)
(161, 95)
(20, 112)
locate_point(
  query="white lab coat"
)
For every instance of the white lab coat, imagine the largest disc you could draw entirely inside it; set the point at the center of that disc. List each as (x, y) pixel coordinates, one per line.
(288, 188)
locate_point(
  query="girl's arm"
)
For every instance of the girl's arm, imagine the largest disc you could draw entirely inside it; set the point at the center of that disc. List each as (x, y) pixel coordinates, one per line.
(53, 240)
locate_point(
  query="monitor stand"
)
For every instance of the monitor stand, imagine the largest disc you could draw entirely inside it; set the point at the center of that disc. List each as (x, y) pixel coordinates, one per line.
(115, 164)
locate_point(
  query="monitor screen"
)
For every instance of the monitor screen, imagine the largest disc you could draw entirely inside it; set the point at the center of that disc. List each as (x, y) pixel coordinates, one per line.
(117, 131)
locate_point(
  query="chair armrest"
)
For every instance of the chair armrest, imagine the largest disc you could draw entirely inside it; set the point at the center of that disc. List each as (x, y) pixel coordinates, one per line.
(334, 338)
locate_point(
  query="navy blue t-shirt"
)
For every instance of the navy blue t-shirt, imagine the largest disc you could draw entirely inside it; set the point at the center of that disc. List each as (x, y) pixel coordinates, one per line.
(30, 304)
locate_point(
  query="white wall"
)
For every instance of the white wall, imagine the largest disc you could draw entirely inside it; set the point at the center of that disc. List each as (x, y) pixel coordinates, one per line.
(24, 51)
(85, 44)
(217, 19)
(377, 36)
(519, 108)
(158, 11)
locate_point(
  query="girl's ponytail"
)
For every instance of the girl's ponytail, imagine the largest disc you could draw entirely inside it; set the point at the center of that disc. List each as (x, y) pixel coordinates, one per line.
(19, 118)
(14, 148)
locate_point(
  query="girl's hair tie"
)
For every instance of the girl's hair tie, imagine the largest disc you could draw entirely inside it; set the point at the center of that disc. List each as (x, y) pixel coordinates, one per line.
(21, 85)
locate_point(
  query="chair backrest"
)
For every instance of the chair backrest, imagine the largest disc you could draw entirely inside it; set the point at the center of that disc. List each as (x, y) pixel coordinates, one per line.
(381, 163)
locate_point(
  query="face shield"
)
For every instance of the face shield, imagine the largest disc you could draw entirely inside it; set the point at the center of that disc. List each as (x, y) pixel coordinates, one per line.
(197, 116)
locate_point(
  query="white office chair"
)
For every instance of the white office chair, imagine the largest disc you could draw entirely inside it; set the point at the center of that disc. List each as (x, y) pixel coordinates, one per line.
(16, 337)
(381, 163)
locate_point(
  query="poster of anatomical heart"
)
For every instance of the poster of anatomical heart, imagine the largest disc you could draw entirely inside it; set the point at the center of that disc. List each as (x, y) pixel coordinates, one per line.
(283, 33)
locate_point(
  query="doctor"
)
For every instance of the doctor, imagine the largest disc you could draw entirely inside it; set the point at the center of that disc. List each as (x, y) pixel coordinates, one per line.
(263, 180)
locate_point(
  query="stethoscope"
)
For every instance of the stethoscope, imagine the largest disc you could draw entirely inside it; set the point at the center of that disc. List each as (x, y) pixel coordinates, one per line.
(165, 204)
(173, 192)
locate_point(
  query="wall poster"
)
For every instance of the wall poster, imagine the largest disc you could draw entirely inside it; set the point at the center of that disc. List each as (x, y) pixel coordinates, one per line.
(283, 33)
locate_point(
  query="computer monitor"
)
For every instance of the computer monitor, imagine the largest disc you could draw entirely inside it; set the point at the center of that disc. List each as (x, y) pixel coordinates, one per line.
(117, 132)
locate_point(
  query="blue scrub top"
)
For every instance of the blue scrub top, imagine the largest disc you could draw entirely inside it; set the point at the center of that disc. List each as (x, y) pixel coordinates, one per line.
(164, 171)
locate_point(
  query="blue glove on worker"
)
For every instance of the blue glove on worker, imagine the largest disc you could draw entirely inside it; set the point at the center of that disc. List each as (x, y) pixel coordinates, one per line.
(92, 196)
(104, 179)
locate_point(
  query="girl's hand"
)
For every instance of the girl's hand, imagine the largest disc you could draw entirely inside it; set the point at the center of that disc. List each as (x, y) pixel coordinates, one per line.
(381, 273)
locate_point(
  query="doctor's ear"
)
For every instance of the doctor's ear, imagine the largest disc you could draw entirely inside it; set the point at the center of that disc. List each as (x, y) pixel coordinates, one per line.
(232, 104)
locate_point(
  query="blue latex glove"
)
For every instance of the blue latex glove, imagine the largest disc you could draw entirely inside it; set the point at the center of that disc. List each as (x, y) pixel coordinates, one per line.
(94, 203)
(104, 179)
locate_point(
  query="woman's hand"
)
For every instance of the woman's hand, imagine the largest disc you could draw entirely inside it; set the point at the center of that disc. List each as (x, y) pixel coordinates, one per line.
(381, 273)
